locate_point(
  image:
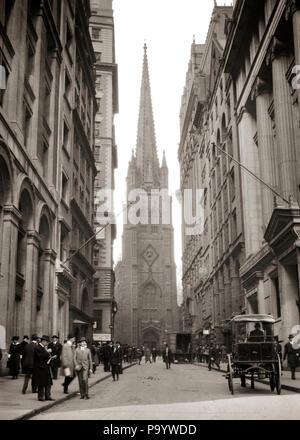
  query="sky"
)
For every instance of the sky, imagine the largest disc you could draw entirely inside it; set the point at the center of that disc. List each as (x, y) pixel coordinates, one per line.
(168, 28)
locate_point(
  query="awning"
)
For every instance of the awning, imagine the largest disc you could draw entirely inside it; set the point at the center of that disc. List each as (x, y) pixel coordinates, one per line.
(77, 321)
(253, 318)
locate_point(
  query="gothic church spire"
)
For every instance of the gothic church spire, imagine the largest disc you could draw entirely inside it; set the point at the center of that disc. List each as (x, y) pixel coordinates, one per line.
(146, 151)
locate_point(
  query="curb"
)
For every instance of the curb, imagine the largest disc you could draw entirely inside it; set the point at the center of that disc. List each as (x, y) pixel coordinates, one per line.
(284, 387)
(44, 408)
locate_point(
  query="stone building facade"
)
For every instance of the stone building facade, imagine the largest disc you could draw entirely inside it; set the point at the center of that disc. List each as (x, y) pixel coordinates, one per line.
(212, 255)
(268, 116)
(245, 103)
(102, 34)
(146, 290)
(46, 168)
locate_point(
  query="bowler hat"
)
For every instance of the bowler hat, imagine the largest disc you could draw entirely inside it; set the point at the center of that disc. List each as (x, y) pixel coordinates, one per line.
(54, 336)
(34, 337)
(70, 336)
(25, 337)
(291, 336)
(45, 338)
(82, 339)
(15, 338)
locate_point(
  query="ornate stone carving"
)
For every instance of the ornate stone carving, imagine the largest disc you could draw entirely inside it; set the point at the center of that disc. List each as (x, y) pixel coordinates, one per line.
(150, 255)
(276, 49)
(291, 8)
(259, 87)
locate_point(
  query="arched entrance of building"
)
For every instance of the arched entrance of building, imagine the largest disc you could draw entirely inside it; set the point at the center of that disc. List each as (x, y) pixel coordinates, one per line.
(151, 338)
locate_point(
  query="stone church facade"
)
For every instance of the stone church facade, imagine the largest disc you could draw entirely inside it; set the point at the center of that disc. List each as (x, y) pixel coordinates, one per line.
(145, 289)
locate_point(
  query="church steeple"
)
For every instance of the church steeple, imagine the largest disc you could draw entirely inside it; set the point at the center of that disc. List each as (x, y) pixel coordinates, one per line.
(146, 151)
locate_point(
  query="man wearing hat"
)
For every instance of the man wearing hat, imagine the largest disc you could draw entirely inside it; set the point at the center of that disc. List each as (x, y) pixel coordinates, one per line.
(83, 367)
(28, 361)
(56, 349)
(67, 360)
(292, 356)
(14, 357)
(22, 348)
(41, 369)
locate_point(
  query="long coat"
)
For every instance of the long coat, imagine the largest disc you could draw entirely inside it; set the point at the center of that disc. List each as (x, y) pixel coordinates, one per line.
(116, 357)
(41, 369)
(291, 354)
(56, 350)
(14, 360)
(67, 357)
(28, 357)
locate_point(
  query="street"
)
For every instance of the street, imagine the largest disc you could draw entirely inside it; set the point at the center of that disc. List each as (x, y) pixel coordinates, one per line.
(185, 392)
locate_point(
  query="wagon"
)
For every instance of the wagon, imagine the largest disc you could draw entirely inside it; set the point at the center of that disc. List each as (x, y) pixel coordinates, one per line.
(254, 353)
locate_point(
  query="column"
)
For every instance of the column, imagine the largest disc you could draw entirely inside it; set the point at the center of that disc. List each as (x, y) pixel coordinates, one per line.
(48, 295)
(266, 146)
(293, 10)
(288, 296)
(280, 57)
(235, 288)
(220, 288)
(227, 291)
(251, 193)
(11, 218)
(31, 279)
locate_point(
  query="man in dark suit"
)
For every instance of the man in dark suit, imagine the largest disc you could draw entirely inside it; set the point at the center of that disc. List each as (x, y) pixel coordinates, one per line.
(41, 369)
(116, 361)
(292, 356)
(56, 349)
(23, 344)
(107, 349)
(28, 361)
(256, 335)
(167, 356)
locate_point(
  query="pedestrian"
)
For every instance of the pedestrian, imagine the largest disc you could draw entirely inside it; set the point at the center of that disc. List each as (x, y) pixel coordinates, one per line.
(13, 362)
(116, 361)
(129, 355)
(22, 348)
(292, 356)
(56, 349)
(167, 356)
(214, 356)
(28, 364)
(106, 354)
(154, 354)
(41, 369)
(148, 355)
(139, 354)
(83, 366)
(94, 356)
(67, 361)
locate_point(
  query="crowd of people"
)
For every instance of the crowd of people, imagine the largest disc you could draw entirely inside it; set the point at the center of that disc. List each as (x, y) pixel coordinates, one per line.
(40, 360)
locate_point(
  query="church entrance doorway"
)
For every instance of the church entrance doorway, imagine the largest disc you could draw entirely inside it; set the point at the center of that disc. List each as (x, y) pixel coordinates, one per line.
(151, 339)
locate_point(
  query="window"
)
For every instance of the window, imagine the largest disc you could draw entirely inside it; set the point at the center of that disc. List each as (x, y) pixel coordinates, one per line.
(4, 74)
(98, 100)
(45, 160)
(27, 121)
(97, 128)
(96, 33)
(232, 185)
(233, 226)
(98, 319)
(69, 37)
(275, 282)
(67, 85)
(66, 138)
(29, 72)
(98, 83)
(64, 187)
(98, 56)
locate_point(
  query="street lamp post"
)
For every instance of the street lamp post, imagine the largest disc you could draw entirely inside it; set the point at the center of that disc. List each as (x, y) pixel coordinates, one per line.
(114, 309)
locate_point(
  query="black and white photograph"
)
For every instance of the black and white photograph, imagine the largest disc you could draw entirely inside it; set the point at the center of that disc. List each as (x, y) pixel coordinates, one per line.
(149, 214)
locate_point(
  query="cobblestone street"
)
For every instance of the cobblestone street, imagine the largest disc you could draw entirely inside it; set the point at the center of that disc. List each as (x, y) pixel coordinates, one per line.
(186, 392)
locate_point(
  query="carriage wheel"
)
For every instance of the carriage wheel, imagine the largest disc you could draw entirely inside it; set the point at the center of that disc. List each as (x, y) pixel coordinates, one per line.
(272, 381)
(278, 376)
(230, 375)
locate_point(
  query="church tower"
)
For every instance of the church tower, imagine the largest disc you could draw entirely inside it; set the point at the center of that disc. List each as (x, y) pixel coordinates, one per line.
(145, 288)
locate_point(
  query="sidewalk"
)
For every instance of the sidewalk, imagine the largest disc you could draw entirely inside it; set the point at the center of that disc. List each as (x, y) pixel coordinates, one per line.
(17, 406)
(286, 382)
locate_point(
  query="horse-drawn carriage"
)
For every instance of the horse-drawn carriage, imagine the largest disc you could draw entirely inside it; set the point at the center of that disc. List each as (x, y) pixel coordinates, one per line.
(254, 353)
